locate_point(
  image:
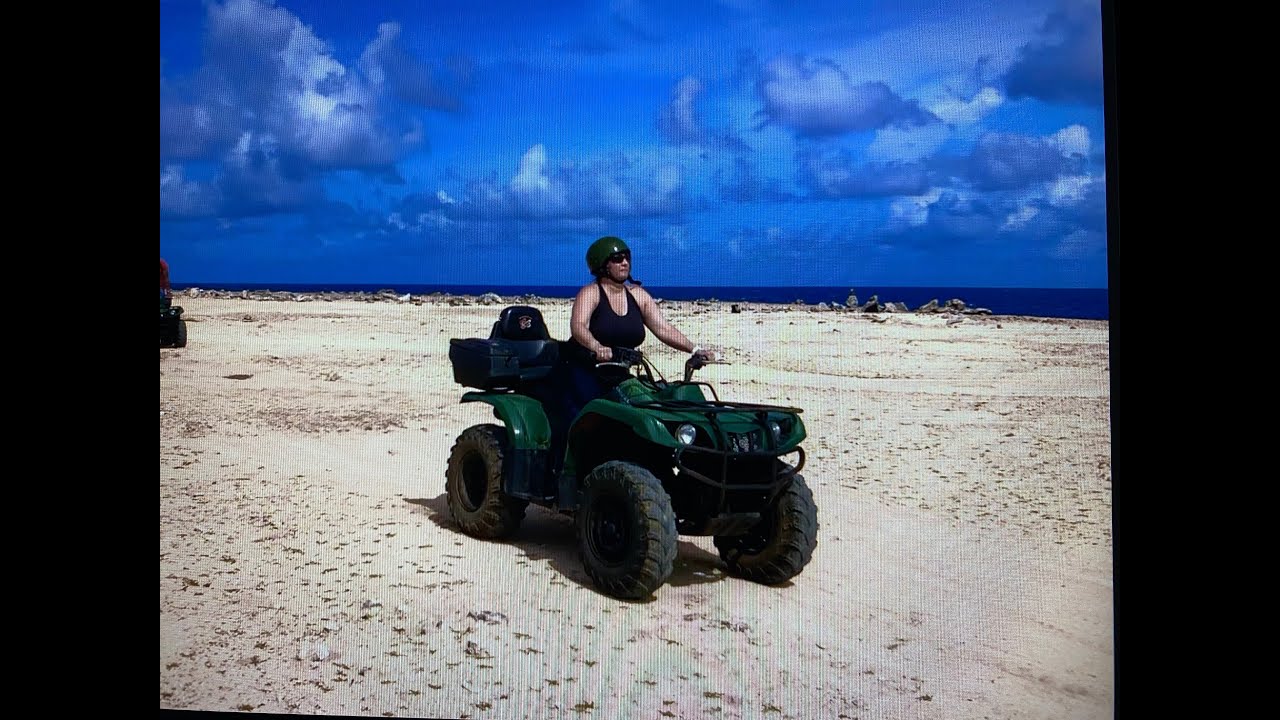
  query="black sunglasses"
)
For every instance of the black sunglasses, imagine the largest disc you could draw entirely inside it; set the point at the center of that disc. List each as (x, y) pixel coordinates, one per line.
(619, 257)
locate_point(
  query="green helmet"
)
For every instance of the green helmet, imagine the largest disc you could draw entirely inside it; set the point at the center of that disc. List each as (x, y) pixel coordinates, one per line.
(600, 251)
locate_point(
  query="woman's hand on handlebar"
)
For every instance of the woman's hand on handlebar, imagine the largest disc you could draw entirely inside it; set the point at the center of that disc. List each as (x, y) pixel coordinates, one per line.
(604, 354)
(708, 354)
(623, 357)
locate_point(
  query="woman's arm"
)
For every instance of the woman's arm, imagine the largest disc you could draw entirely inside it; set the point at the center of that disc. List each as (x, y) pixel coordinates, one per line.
(654, 320)
(583, 305)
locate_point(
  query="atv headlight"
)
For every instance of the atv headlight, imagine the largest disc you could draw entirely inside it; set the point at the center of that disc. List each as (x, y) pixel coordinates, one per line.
(686, 434)
(776, 429)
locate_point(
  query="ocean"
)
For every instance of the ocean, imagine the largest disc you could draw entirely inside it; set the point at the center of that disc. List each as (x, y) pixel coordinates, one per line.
(1081, 303)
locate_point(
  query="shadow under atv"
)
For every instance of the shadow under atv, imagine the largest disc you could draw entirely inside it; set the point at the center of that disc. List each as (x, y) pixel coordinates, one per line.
(544, 535)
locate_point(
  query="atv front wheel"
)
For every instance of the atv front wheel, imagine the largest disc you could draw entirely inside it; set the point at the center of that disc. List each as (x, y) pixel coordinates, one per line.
(180, 337)
(781, 544)
(473, 484)
(626, 530)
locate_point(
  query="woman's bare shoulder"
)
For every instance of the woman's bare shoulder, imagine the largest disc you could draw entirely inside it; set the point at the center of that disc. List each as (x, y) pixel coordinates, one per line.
(646, 301)
(640, 293)
(586, 294)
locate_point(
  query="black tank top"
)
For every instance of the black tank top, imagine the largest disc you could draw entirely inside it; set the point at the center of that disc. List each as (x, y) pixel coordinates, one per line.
(613, 330)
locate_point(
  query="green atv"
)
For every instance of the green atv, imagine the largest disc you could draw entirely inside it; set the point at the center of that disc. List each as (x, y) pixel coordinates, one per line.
(647, 462)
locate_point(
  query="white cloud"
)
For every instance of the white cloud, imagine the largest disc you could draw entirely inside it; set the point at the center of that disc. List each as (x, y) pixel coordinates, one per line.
(531, 174)
(676, 237)
(307, 60)
(1075, 245)
(914, 210)
(613, 197)
(1073, 141)
(957, 111)
(244, 154)
(679, 119)
(532, 189)
(1067, 190)
(668, 181)
(907, 144)
(370, 63)
(1019, 219)
(422, 222)
(287, 82)
(816, 98)
(180, 197)
(434, 220)
(601, 189)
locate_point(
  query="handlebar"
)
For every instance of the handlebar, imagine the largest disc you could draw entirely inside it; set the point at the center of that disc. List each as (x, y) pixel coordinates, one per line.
(623, 358)
(627, 358)
(695, 362)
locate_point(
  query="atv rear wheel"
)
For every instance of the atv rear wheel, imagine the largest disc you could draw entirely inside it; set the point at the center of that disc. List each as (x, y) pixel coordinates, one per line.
(180, 336)
(781, 544)
(473, 484)
(626, 530)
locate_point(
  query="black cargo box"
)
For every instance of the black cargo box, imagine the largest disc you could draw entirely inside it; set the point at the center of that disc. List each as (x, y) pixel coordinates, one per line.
(484, 364)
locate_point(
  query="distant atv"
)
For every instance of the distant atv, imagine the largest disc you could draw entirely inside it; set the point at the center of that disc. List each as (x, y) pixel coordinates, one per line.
(173, 328)
(648, 462)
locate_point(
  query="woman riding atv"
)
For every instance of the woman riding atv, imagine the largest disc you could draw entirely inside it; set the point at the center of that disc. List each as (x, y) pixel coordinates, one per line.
(611, 312)
(636, 460)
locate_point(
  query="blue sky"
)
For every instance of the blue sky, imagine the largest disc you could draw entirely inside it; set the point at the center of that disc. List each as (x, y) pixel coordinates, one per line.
(739, 142)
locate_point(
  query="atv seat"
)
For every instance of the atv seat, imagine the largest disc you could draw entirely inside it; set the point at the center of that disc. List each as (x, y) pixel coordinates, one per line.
(526, 334)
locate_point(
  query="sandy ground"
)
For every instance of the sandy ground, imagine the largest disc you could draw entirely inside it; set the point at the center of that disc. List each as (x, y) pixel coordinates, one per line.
(308, 563)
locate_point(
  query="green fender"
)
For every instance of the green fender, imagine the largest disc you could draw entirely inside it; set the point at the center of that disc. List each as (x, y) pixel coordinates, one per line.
(526, 422)
(644, 423)
(652, 424)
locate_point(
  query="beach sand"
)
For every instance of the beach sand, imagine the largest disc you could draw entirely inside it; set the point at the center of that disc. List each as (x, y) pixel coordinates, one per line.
(308, 563)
